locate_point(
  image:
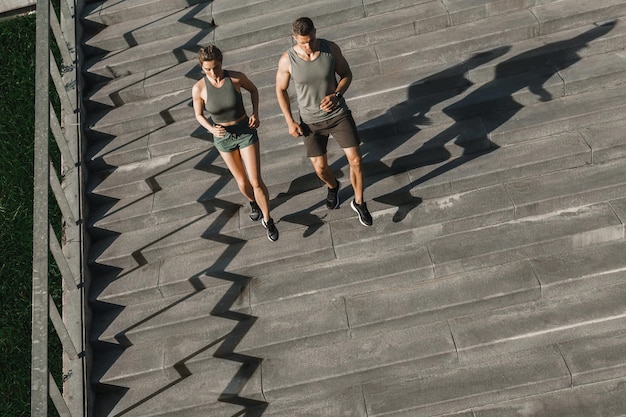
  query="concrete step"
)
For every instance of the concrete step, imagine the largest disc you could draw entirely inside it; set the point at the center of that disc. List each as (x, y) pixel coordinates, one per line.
(446, 389)
(149, 28)
(216, 396)
(441, 213)
(266, 337)
(271, 26)
(560, 274)
(135, 147)
(583, 270)
(143, 323)
(171, 276)
(111, 12)
(349, 35)
(486, 289)
(523, 326)
(451, 254)
(512, 27)
(372, 357)
(605, 399)
(443, 391)
(219, 249)
(494, 102)
(569, 188)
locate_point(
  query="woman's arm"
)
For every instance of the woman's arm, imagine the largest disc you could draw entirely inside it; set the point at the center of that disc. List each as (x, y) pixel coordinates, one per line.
(198, 109)
(240, 79)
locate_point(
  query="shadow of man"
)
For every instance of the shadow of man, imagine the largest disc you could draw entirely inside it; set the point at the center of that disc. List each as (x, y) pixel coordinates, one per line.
(375, 135)
(488, 107)
(384, 135)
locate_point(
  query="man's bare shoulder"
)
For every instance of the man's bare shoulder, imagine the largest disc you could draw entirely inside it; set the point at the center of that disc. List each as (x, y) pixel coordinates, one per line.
(283, 62)
(333, 47)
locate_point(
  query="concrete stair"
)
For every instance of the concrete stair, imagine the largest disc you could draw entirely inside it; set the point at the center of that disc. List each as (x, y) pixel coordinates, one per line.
(492, 281)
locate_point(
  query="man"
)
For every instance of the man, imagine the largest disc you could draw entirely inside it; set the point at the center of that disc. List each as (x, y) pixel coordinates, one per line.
(313, 63)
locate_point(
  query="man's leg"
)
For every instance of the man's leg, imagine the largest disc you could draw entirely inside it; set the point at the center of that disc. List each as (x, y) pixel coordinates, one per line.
(356, 177)
(356, 173)
(323, 171)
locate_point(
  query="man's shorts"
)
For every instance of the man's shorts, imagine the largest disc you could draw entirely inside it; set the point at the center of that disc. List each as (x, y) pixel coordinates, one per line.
(341, 127)
(237, 137)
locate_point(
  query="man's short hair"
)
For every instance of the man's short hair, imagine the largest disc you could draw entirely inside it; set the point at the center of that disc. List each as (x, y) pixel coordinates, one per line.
(303, 26)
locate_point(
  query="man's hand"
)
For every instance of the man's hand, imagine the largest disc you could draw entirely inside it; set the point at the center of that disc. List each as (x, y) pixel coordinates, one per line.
(253, 121)
(295, 129)
(329, 103)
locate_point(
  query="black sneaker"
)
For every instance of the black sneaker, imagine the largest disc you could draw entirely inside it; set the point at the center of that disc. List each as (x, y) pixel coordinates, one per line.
(332, 198)
(272, 231)
(255, 211)
(364, 215)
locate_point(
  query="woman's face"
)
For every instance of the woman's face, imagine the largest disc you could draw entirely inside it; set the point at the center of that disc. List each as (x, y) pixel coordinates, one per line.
(213, 69)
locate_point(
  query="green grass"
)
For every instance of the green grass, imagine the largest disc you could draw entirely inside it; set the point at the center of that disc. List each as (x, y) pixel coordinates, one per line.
(17, 87)
(17, 82)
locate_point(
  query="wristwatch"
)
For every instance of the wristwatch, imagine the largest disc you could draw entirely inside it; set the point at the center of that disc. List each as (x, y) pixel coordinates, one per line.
(338, 94)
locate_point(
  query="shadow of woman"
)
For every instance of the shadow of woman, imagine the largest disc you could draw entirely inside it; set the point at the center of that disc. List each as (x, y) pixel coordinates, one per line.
(488, 107)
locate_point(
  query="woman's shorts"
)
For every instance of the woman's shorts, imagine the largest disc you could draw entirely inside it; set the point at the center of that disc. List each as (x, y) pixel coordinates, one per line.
(237, 137)
(342, 128)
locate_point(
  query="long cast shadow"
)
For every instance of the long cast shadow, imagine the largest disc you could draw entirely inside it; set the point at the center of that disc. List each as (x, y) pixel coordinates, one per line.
(402, 121)
(491, 105)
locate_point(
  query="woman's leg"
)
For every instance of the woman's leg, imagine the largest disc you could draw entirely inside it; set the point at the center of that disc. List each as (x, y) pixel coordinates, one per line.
(252, 161)
(235, 166)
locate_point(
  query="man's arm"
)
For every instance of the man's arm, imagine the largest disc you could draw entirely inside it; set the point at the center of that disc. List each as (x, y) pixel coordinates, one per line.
(342, 68)
(283, 76)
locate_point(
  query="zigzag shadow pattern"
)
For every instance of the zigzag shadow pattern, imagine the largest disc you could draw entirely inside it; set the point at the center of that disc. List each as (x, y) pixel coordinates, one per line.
(225, 345)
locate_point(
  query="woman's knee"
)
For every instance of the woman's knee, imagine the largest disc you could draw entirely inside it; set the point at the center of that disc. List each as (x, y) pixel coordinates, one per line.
(243, 183)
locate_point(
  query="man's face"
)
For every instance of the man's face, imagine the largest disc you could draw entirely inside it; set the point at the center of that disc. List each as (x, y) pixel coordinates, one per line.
(306, 43)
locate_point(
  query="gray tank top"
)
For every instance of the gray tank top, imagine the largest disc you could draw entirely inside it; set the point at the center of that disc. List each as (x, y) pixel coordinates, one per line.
(225, 104)
(313, 81)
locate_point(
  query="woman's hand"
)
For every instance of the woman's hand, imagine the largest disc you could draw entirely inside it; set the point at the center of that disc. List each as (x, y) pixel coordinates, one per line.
(217, 130)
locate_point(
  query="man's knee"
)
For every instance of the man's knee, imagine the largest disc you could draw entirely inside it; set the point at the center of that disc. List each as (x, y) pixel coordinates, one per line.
(319, 164)
(354, 159)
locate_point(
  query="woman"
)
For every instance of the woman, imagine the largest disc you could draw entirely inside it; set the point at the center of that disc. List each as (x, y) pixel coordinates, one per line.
(236, 139)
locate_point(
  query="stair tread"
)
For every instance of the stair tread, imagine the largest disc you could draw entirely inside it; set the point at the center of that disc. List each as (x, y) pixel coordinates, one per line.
(492, 279)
